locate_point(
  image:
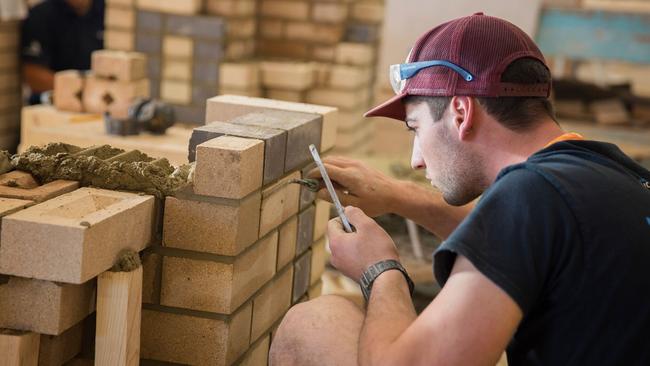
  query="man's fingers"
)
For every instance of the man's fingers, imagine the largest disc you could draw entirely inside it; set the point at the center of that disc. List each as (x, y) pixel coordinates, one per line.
(356, 216)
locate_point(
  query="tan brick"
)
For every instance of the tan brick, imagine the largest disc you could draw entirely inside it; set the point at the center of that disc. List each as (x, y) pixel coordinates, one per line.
(270, 28)
(180, 70)
(229, 167)
(349, 77)
(329, 12)
(287, 242)
(239, 75)
(9, 81)
(286, 95)
(241, 28)
(119, 17)
(115, 39)
(258, 354)
(296, 10)
(321, 218)
(179, 92)
(231, 8)
(11, 205)
(279, 202)
(240, 50)
(21, 185)
(76, 236)
(214, 286)
(314, 32)
(42, 306)
(9, 39)
(151, 274)
(112, 96)
(251, 92)
(287, 75)
(315, 290)
(183, 7)
(18, 348)
(324, 53)
(68, 90)
(119, 65)
(355, 54)
(368, 12)
(283, 49)
(319, 258)
(8, 61)
(178, 46)
(57, 350)
(186, 339)
(10, 101)
(272, 303)
(343, 99)
(222, 227)
(228, 107)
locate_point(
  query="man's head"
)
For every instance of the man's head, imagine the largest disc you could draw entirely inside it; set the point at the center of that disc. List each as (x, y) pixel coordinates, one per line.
(465, 83)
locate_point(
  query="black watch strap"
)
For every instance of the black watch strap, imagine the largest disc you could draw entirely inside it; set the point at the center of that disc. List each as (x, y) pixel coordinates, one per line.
(369, 275)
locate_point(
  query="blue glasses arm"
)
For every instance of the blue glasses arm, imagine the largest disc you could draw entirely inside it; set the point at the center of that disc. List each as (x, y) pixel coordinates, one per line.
(407, 71)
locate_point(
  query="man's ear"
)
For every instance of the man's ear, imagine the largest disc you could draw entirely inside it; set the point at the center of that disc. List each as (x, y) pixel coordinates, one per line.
(462, 109)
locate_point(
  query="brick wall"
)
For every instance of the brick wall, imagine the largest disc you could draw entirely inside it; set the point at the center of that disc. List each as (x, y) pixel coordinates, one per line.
(10, 88)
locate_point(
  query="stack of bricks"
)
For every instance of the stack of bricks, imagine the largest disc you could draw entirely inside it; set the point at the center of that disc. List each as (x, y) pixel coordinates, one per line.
(243, 243)
(185, 41)
(56, 239)
(117, 79)
(10, 88)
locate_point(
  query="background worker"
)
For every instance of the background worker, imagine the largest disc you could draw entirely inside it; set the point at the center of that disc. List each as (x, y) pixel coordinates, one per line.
(59, 35)
(551, 263)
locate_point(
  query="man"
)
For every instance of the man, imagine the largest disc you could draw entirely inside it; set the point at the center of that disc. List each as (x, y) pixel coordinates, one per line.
(552, 263)
(59, 35)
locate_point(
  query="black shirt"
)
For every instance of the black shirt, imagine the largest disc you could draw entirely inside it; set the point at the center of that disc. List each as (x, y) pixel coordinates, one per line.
(54, 36)
(567, 235)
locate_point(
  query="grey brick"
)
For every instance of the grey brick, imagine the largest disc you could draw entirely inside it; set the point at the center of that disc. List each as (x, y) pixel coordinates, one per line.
(149, 21)
(153, 66)
(305, 229)
(148, 43)
(206, 72)
(154, 88)
(190, 114)
(208, 50)
(362, 33)
(208, 27)
(301, 275)
(202, 92)
(307, 197)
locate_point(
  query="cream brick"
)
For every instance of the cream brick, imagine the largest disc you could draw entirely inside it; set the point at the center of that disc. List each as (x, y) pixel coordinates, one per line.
(355, 54)
(349, 77)
(76, 236)
(68, 90)
(286, 95)
(321, 218)
(315, 290)
(218, 286)
(180, 70)
(179, 92)
(119, 65)
(270, 28)
(240, 75)
(287, 242)
(241, 28)
(279, 202)
(319, 258)
(219, 226)
(329, 12)
(122, 40)
(183, 7)
(258, 354)
(178, 46)
(231, 8)
(112, 96)
(297, 76)
(324, 53)
(119, 17)
(272, 303)
(314, 32)
(342, 99)
(296, 10)
(368, 12)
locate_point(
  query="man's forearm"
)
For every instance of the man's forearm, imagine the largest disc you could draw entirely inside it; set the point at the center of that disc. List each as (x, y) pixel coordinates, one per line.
(38, 77)
(428, 209)
(390, 311)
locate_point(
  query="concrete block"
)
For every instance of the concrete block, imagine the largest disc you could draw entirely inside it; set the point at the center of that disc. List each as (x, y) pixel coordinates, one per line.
(355, 54)
(321, 218)
(173, 91)
(329, 12)
(57, 350)
(227, 107)
(178, 46)
(239, 75)
(119, 65)
(18, 348)
(68, 90)
(302, 130)
(122, 40)
(362, 33)
(180, 70)
(231, 8)
(218, 286)
(305, 229)
(218, 226)
(149, 21)
(315, 290)
(279, 203)
(207, 73)
(301, 276)
(42, 306)
(208, 50)
(314, 32)
(288, 235)
(275, 144)
(76, 236)
(368, 12)
(119, 17)
(151, 277)
(229, 167)
(207, 27)
(112, 96)
(193, 340)
(271, 303)
(259, 353)
(22, 186)
(319, 258)
(172, 6)
(148, 43)
(294, 10)
(286, 95)
(297, 76)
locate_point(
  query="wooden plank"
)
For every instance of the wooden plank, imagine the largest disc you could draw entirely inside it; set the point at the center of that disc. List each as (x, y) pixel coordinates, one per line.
(119, 300)
(18, 348)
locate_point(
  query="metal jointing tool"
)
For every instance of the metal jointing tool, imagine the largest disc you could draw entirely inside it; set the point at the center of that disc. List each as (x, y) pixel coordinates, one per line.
(330, 189)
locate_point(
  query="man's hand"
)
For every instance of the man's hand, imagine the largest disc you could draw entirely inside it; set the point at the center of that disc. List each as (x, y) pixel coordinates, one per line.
(353, 253)
(359, 185)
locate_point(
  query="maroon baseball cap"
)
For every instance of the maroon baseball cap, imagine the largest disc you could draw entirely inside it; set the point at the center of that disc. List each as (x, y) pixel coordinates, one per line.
(482, 45)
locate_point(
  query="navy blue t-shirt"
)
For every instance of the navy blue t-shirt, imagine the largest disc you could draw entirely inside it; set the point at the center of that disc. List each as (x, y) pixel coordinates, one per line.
(566, 235)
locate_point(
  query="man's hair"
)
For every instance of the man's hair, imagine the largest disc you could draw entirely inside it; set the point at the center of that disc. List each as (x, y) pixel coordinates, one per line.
(515, 113)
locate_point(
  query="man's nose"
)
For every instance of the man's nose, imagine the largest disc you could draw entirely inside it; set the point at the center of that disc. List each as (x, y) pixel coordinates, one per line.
(416, 157)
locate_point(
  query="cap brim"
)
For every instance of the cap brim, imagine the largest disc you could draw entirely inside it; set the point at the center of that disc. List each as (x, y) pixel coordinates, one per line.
(392, 108)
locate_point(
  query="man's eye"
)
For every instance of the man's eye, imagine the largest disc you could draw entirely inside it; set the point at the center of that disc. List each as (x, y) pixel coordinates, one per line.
(410, 128)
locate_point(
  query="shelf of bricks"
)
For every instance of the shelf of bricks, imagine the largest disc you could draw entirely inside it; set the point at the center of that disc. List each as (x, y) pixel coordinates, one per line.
(317, 52)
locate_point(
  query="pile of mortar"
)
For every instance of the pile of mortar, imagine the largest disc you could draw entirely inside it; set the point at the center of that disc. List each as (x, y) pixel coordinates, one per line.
(101, 167)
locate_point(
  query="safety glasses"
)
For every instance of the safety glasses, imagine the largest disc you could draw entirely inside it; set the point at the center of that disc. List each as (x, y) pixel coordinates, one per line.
(399, 73)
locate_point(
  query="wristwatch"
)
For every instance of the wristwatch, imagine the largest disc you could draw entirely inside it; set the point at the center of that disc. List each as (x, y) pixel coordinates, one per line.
(370, 274)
